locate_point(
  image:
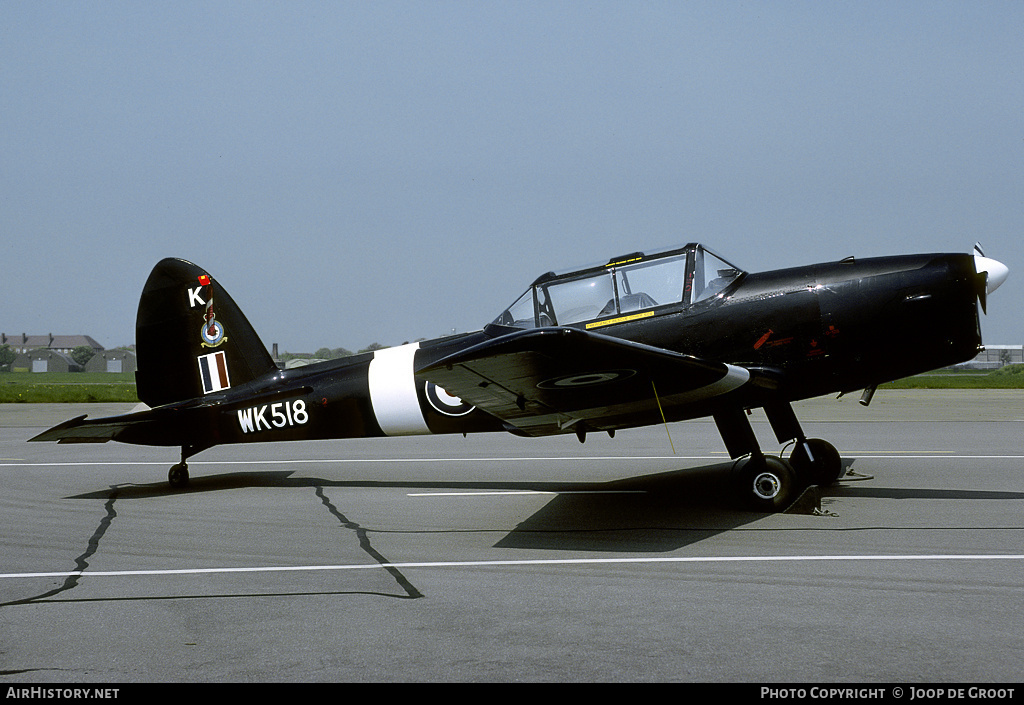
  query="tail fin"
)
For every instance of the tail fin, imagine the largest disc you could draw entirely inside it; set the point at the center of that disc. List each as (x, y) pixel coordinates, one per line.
(191, 338)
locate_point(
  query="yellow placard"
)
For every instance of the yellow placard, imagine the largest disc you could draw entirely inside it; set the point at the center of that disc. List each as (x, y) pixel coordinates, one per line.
(620, 319)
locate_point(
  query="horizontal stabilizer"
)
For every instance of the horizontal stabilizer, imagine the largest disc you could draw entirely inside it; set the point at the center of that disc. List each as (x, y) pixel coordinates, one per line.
(79, 430)
(192, 422)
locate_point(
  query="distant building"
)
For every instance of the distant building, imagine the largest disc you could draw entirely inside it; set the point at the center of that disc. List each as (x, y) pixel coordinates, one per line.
(47, 353)
(59, 343)
(996, 356)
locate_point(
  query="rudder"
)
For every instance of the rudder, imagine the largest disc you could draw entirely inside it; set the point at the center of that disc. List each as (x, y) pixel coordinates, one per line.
(191, 339)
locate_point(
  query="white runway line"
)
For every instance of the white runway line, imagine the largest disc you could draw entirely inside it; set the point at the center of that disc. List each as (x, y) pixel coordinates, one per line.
(491, 493)
(882, 454)
(523, 562)
(306, 461)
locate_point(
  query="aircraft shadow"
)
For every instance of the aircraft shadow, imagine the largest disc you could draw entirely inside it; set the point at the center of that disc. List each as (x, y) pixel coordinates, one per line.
(649, 513)
(694, 482)
(646, 513)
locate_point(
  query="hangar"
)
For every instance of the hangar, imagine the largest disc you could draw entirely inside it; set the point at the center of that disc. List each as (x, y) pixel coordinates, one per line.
(117, 360)
(44, 360)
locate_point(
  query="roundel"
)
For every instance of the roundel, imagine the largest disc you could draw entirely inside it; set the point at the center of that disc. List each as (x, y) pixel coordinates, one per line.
(213, 334)
(445, 403)
(586, 379)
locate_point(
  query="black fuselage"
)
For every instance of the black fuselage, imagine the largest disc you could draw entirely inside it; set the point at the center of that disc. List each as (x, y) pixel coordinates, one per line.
(803, 332)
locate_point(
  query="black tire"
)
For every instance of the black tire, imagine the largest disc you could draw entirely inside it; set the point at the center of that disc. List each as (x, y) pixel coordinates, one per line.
(766, 483)
(178, 475)
(826, 468)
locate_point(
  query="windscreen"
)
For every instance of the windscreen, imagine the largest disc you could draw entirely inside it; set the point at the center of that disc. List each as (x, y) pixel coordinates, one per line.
(520, 314)
(711, 274)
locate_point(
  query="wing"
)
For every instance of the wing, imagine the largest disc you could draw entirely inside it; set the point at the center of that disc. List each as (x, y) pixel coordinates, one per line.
(548, 380)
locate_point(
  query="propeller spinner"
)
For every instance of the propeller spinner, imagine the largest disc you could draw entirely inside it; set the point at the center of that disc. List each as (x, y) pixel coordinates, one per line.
(991, 273)
(995, 271)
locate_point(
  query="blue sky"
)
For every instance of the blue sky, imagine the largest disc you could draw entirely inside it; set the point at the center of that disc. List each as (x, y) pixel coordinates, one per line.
(358, 172)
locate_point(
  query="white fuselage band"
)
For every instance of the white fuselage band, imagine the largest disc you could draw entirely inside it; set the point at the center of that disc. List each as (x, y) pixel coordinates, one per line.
(393, 391)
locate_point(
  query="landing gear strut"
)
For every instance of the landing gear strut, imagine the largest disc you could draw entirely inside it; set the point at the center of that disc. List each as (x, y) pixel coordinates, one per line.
(766, 483)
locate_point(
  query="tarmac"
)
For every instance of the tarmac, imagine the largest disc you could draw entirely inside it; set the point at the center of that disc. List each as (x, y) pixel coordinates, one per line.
(495, 558)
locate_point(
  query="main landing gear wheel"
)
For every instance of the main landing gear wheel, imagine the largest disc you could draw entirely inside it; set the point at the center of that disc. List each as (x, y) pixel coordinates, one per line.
(824, 466)
(178, 475)
(766, 483)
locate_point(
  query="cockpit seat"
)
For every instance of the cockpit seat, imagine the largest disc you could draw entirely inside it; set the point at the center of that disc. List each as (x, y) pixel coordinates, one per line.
(629, 302)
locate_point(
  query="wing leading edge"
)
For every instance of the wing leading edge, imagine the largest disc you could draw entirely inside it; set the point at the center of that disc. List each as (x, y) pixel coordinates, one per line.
(551, 380)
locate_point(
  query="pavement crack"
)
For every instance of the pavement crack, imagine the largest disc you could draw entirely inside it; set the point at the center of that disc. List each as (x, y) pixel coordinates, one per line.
(82, 561)
(364, 543)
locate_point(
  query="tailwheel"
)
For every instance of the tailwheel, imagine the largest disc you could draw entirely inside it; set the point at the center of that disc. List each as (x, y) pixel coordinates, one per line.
(766, 483)
(816, 462)
(178, 475)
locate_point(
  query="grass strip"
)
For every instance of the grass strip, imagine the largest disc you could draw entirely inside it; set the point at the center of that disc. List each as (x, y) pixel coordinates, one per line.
(56, 387)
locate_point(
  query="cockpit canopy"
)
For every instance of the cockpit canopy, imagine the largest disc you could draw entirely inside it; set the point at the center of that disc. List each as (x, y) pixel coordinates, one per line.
(627, 286)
